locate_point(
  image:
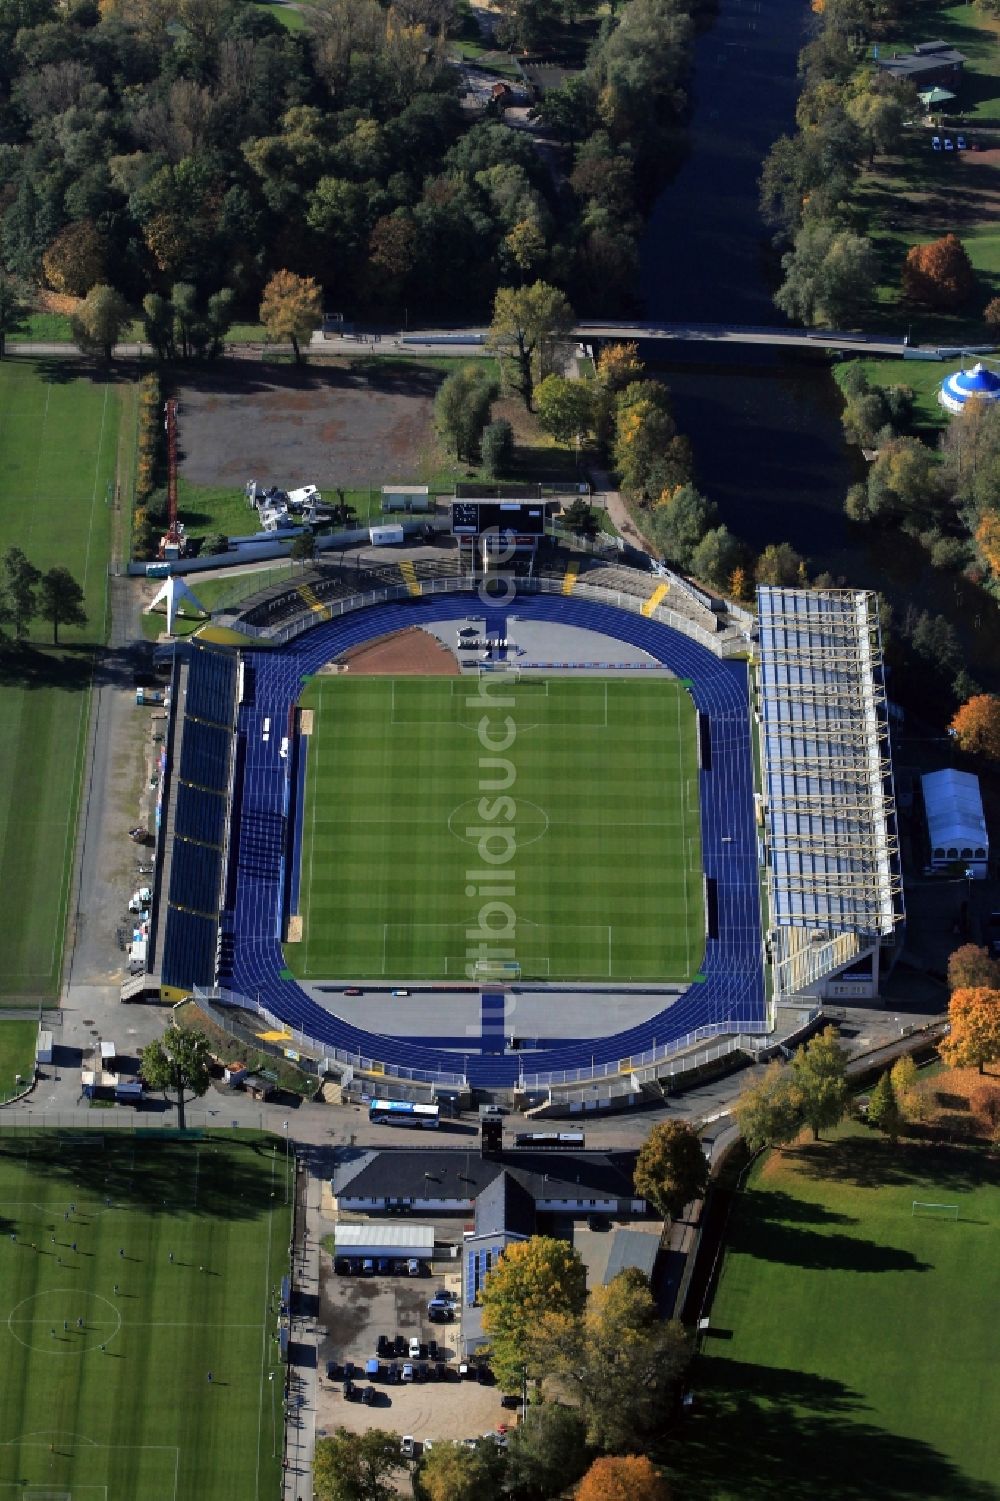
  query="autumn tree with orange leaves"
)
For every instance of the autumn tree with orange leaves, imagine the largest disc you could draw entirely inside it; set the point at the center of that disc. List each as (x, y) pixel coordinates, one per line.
(632, 1478)
(940, 274)
(974, 1038)
(291, 308)
(988, 540)
(976, 726)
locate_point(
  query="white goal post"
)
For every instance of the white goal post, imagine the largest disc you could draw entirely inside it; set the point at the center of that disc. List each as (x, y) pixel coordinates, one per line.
(498, 969)
(934, 1211)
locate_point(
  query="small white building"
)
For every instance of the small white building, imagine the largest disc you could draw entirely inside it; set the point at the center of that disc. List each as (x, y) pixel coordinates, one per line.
(43, 1052)
(400, 1242)
(955, 821)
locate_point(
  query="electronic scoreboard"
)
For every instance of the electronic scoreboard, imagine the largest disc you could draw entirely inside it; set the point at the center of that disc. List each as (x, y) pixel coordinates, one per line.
(471, 518)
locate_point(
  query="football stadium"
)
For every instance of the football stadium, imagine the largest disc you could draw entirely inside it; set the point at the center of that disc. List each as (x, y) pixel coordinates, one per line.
(527, 821)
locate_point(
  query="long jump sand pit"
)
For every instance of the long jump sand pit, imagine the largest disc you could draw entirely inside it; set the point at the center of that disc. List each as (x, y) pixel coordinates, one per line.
(351, 425)
(409, 653)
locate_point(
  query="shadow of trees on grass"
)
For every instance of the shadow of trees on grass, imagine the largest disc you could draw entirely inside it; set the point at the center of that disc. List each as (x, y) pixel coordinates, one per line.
(870, 1162)
(761, 1433)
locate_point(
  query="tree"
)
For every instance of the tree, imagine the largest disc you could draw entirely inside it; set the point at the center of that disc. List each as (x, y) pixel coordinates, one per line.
(767, 1112)
(778, 564)
(215, 544)
(645, 432)
(988, 540)
(13, 309)
(679, 520)
(883, 1109)
(303, 549)
(830, 275)
(533, 1278)
(99, 321)
(60, 600)
(158, 324)
(565, 407)
(971, 966)
(547, 1452)
(633, 1478)
(453, 1473)
(618, 365)
(579, 517)
(496, 448)
(991, 315)
(462, 410)
(75, 260)
(976, 726)
(527, 323)
(19, 580)
(974, 1022)
(178, 1061)
(912, 1103)
(290, 308)
(939, 275)
(670, 1169)
(820, 1083)
(984, 1102)
(356, 1466)
(716, 556)
(620, 1361)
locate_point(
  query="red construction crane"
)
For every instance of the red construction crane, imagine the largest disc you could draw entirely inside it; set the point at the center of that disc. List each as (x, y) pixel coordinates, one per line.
(172, 542)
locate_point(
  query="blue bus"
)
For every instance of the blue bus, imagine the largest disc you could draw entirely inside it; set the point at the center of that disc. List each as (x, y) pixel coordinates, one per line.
(404, 1113)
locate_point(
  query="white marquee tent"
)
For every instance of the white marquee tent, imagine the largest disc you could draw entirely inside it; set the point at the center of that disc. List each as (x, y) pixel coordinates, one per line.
(955, 821)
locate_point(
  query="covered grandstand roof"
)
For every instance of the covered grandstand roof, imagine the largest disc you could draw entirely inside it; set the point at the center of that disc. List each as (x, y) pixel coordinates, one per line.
(833, 856)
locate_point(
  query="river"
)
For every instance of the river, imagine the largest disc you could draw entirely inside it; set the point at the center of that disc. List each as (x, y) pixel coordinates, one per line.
(765, 426)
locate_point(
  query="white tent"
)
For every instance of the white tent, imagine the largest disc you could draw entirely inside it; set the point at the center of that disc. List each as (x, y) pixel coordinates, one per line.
(173, 591)
(955, 821)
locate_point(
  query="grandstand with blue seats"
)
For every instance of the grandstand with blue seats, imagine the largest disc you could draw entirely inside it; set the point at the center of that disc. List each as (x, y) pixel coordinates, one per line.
(196, 830)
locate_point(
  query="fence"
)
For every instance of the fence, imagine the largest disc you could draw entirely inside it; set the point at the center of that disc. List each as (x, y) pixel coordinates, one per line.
(727, 645)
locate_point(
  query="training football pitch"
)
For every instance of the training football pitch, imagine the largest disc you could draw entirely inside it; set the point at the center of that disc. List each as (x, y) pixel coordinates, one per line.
(105, 1356)
(58, 444)
(561, 815)
(852, 1348)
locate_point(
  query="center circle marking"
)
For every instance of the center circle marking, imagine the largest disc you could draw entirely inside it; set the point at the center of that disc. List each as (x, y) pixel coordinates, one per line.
(37, 1322)
(527, 816)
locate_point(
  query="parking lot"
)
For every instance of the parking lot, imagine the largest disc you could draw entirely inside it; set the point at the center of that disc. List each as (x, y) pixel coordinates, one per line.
(355, 1311)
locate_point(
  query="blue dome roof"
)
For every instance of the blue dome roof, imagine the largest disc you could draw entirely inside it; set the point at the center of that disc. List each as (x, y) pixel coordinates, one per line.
(978, 382)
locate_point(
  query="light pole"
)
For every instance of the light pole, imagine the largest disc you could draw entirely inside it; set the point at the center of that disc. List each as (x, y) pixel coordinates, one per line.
(284, 1127)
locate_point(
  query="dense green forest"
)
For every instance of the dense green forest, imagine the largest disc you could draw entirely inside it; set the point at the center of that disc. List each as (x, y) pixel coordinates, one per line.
(145, 143)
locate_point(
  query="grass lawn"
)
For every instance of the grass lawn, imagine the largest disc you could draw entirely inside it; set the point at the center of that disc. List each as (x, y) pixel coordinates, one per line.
(205, 509)
(121, 1408)
(18, 1041)
(607, 865)
(852, 1351)
(59, 446)
(215, 594)
(924, 378)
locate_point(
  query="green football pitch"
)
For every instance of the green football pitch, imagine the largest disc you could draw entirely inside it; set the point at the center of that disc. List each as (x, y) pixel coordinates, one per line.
(58, 444)
(105, 1357)
(852, 1348)
(571, 805)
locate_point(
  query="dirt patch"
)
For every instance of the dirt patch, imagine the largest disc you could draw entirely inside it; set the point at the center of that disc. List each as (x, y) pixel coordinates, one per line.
(330, 425)
(409, 653)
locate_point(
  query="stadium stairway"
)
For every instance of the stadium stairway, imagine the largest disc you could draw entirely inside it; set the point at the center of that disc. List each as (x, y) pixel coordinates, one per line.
(569, 581)
(316, 605)
(410, 579)
(657, 597)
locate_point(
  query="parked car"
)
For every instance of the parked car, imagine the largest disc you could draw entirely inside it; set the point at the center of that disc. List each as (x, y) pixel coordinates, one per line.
(342, 1266)
(441, 1371)
(484, 1375)
(466, 1372)
(334, 1370)
(383, 1345)
(400, 992)
(439, 1315)
(413, 1349)
(368, 1267)
(432, 1349)
(383, 1266)
(349, 1389)
(353, 990)
(407, 1446)
(949, 144)
(414, 1268)
(960, 143)
(598, 1222)
(408, 1371)
(935, 143)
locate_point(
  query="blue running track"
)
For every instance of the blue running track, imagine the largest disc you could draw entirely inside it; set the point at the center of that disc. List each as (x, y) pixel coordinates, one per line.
(732, 990)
